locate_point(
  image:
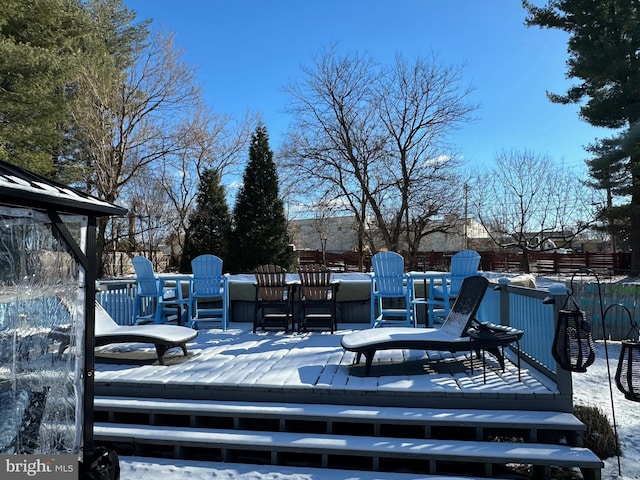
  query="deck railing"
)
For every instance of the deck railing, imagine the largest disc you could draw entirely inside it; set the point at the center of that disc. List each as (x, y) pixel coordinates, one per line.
(523, 308)
(520, 307)
(535, 312)
(117, 297)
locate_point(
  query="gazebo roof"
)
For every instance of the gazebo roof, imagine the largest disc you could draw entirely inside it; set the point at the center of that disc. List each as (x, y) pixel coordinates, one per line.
(24, 188)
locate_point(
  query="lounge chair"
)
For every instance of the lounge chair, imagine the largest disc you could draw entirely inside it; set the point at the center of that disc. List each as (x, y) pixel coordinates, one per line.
(164, 337)
(454, 335)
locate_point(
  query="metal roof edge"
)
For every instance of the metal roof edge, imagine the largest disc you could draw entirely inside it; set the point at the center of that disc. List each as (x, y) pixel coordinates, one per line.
(23, 187)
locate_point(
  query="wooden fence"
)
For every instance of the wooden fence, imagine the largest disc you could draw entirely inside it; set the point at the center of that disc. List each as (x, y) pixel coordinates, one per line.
(547, 263)
(340, 262)
(539, 262)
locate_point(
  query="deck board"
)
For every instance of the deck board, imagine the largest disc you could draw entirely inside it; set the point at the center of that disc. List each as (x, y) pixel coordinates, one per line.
(315, 367)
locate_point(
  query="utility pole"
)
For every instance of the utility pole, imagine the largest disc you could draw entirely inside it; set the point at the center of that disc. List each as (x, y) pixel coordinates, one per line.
(466, 211)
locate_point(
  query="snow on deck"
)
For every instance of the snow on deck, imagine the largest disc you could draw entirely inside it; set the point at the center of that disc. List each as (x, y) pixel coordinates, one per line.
(273, 362)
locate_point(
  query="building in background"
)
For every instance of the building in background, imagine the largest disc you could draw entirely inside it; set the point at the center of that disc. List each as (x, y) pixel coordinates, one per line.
(340, 234)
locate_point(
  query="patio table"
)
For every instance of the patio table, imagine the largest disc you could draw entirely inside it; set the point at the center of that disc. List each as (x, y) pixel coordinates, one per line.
(434, 305)
(178, 279)
(491, 337)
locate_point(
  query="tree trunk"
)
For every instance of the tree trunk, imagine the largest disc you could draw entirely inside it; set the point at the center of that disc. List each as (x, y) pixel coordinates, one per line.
(525, 261)
(634, 234)
(100, 242)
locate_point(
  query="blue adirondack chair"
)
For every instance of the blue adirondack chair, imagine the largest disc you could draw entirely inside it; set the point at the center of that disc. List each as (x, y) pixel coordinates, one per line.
(463, 264)
(389, 282)
(153, 303)
(209, 292)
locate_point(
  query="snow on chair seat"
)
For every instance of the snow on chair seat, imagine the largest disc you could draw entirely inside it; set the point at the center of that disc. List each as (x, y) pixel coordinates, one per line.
(452, 336)
(164, 337)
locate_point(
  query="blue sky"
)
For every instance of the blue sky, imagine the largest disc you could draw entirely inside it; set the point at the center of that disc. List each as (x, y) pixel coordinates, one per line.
(245, 51)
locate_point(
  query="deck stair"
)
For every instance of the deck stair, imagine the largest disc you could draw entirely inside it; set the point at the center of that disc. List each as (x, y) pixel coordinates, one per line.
(416, 440)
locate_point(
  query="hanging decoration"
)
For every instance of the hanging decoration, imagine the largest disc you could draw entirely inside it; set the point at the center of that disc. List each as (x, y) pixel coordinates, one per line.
(628, 371)
(573, 348)
(603, 313)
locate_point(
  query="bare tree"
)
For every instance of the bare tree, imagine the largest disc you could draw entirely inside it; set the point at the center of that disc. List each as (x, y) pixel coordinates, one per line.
(372, 139)
(419, 104)
(130, 121)
(335, 138)
(153, 217)
(527, 203)
(211, 141)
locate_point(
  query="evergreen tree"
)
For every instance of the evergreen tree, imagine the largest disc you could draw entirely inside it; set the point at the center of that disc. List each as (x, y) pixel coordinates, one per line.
(608, 170)
(604, 55)
(39, 42)
(45, 45)
(260, 227)
(209, 224)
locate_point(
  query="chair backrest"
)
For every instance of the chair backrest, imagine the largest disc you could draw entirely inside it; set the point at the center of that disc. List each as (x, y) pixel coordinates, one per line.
(315, 282)
(104, 322)
(207, 275)
(145, 277)
(271, 283)
(388, 272)
(466, 305)
(463, 264)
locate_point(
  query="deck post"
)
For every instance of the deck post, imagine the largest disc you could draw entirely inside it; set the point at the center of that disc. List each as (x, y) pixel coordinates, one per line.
(505, 314)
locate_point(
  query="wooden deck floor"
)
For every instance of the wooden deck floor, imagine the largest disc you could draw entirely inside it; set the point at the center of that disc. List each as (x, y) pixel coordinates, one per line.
(314, 368)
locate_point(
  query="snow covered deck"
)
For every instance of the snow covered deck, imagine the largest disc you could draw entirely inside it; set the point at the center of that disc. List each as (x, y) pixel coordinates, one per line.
(314, 368)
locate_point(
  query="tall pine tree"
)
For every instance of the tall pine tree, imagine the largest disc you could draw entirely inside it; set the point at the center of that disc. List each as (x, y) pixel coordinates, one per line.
(44, 47)
(604, 55)
(260, 227)
(39, 44)
(209, 224)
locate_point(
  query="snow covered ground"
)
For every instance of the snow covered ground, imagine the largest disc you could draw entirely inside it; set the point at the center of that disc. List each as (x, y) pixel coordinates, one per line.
(590, 389)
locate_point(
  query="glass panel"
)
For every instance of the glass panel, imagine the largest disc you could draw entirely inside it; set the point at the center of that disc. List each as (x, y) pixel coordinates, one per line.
(41, 326)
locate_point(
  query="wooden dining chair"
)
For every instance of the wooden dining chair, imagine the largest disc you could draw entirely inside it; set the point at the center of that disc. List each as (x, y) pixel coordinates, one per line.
(273, 307)
(317, 296)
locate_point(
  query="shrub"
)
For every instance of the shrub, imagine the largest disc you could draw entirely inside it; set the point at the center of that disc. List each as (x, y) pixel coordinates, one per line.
(600, 437)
